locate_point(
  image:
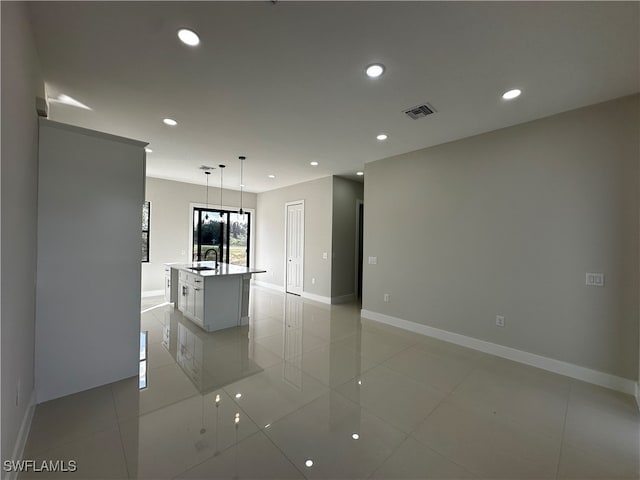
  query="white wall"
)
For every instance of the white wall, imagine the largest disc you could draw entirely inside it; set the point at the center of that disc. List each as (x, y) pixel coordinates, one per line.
(508, 223)
(171, 223)
(90, 195)
(270, 229)
(345, 194)
(21, 83)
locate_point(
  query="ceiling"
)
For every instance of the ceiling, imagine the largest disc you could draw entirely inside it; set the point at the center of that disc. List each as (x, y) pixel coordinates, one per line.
(284, 83)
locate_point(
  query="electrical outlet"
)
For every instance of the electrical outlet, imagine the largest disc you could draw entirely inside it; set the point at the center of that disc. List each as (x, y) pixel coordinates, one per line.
(325, 255)
(313, 281)
(373, 260)
(499, 321)
(386, 297)
(183, 252)
(594, 279)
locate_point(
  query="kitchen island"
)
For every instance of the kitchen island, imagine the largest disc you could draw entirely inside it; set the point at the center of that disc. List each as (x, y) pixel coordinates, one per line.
(212, 298)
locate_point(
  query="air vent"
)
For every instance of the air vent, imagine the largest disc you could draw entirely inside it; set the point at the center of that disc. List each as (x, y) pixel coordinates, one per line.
(206, 168)
(420, 111)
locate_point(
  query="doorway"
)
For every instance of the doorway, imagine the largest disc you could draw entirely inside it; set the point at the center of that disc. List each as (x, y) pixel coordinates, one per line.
(359, 247)
(222, 232)
(294, 247)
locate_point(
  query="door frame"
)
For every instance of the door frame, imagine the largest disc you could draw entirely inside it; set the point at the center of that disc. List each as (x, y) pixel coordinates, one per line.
(286, 230)
(359, 203)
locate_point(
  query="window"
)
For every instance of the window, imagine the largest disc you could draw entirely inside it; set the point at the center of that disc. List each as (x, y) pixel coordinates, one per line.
(146, 213)
(142, 373)
(224, 231)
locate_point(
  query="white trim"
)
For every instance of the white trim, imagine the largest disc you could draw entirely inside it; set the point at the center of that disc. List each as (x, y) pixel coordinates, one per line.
(343, 298)
(286, 227)
(271, 286)
(317, 298)
(155, 306)
(550, 364)
(23, 434)
(638, 395)
(152, 293)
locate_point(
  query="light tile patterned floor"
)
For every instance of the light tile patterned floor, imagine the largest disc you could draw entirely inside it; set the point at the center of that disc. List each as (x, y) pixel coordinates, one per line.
(320, 393)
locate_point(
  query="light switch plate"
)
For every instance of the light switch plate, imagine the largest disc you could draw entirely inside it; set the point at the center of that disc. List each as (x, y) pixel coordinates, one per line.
(594, 279)
(324, 255)
(373, 260)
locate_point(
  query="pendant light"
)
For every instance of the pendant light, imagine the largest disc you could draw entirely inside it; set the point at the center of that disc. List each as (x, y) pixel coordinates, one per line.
(222, 167)
(242, 159)
(207, 171)
(206, 215)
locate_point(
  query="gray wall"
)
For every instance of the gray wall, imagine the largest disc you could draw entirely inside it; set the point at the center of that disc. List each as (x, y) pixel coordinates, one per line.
(90, 195)
(171, 222)
(508, 223)
(270, 227)
(345, 194)
(21, 82)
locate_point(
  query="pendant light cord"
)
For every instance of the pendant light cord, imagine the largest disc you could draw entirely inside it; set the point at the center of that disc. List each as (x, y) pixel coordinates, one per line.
(242, 159)
(221, 182)
(207, 173)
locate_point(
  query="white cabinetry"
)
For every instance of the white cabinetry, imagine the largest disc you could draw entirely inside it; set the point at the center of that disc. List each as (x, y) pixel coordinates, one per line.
(170, 284)
(191, 296)
(90, 195)
(213, 297)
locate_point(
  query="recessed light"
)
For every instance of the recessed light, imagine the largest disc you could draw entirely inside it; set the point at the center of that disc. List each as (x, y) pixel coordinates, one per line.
(355, 436)
(511, 94)
(314, 164)
(170, 121)
(309, 463)
(374, 70)
(359, 173)
(188, 37)
(238, 395)
(148, 150)
(382, 136)
(271, 176)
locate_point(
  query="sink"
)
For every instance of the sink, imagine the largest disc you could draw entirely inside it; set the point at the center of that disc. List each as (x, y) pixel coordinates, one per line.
(198, 269)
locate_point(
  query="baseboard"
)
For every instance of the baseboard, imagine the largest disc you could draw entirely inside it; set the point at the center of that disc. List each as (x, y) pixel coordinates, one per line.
(317, 298)
(343, 299)
(280, 288)
(552, 365)
(155, 306)
(152, 293)
(23, 434)
(272, 286)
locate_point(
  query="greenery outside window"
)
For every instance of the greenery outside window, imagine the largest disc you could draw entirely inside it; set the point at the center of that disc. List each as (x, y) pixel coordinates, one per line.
(146, 213)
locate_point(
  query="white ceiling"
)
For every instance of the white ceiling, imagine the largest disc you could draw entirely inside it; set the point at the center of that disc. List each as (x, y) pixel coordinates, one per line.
(284, 84)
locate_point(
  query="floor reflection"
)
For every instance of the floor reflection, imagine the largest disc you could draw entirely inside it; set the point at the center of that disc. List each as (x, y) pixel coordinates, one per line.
(308, 390)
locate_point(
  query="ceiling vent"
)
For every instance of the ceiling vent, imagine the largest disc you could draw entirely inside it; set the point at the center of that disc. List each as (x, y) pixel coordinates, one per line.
(420, 111)
(206, 168)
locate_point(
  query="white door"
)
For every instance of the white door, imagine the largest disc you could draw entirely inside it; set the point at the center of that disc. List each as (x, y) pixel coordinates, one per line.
(294, 246)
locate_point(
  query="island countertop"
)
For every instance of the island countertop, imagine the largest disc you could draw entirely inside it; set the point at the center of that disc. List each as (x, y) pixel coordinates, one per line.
(224, 269)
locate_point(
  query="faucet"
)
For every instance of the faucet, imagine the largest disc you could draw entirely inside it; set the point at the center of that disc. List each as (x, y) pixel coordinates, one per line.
(216, 254)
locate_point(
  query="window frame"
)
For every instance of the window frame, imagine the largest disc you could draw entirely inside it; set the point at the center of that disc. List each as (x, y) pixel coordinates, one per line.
(147, 204)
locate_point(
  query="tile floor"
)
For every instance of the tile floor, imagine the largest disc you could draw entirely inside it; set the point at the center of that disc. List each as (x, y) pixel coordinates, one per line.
(320, 393)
